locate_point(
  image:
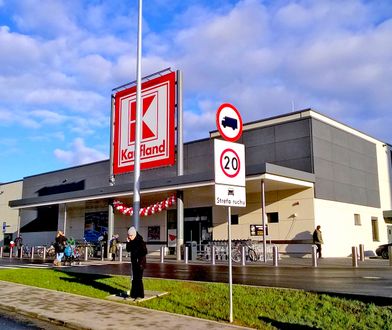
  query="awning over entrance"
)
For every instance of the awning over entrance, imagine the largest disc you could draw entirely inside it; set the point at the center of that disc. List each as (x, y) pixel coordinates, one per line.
(275, 178)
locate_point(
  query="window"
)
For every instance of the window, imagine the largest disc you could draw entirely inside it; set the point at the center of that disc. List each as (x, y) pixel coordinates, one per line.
(273, 217)
(375, 234)
(234, 219)
(357, 220)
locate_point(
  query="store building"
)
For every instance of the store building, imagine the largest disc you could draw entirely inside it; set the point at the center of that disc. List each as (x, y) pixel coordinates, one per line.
(9, 218)
(306, 168)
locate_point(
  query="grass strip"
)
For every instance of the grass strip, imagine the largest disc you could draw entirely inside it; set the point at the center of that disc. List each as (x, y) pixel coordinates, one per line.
(256, 307)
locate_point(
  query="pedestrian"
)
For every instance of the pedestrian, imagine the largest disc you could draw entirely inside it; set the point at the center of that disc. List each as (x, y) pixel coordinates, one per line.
(137, 247)
(113, 246)
(19, 245)
(59, 247)
(105, 244)
(318, 240)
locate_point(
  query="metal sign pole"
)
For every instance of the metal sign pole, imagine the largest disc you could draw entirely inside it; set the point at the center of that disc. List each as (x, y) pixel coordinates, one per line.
(180, 167)
(263, 220)
(230, 263)
(138, 130)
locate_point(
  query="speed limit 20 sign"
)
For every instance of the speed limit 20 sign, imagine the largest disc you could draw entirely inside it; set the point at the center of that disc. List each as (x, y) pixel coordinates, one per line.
(229, 163)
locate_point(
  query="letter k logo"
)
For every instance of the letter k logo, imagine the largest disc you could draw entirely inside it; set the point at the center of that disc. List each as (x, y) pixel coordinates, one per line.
(149, 118)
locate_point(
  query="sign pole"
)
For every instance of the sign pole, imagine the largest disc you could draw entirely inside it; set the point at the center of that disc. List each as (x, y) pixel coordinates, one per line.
(180, 168)
(263, 221)
(138, 130)
(229, 164)
(230, 264)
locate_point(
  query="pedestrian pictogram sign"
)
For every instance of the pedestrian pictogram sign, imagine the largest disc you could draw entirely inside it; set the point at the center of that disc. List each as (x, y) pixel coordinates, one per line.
(229, 122)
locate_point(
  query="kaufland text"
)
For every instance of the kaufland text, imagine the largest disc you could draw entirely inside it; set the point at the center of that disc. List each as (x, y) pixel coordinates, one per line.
(127, 154)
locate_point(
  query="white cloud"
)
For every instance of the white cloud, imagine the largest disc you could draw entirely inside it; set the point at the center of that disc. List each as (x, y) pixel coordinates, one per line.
(48, 117)
(45, 16)
(18, 52)
(77, 100)
(79, 153)
(5, 116)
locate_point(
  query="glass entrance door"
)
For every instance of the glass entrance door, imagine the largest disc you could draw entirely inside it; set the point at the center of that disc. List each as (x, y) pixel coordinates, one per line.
(196, 224)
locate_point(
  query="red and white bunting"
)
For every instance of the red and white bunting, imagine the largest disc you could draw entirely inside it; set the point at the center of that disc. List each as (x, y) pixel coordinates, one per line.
(145, 211)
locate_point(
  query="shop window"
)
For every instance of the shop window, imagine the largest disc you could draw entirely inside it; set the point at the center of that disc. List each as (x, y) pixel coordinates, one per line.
(171, 219)
(273, 217)
(234, 219)
(357, 220)
(375, 233)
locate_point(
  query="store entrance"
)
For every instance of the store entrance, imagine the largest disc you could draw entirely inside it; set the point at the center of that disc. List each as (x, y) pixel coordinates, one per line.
(197, 222)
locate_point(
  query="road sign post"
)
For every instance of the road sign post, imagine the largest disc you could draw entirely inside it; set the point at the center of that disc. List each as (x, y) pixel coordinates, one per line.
(229, 164)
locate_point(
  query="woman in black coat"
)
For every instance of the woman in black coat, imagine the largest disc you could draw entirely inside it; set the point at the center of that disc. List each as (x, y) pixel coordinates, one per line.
(138, 249)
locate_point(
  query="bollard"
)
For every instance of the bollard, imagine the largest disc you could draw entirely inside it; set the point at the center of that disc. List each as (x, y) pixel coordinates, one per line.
(120, 253)
(275, 255)
(213, 254)
(243, 255)
(354, 255)
(1, 252)
(85, 253)
(32, 253)
(102, 254)
(162, 253)
(21, 252)
(186, 254)
(390, 255)
(361, 252)
(44, 256)
(10, 252)
(314, 255)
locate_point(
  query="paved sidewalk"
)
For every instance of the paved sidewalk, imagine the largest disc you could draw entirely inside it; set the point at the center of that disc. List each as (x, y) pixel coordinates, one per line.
(77, 312)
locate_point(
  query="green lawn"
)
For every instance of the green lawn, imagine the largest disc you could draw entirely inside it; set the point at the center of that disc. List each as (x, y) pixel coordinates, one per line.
(262, 308)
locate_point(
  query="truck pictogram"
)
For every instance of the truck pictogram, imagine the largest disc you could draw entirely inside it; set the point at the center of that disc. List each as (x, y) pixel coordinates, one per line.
(230, 122)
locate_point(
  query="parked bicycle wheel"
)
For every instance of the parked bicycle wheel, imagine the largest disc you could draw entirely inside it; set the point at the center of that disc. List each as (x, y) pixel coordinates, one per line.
(252, 254)
(235, 255)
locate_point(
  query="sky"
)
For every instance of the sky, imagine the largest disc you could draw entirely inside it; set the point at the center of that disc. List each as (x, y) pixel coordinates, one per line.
(60, 60)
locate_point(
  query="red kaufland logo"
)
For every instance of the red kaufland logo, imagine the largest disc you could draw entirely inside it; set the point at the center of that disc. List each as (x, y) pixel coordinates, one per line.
(157, 125)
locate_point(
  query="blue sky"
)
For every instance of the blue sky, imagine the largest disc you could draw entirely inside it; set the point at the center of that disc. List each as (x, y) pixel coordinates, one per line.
(60, 60)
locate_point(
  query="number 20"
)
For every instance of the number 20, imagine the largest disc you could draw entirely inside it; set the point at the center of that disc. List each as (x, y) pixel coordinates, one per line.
(233, 163)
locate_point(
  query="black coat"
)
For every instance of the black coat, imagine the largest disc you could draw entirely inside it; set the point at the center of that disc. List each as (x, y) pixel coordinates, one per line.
(138, 250)
(60, 243)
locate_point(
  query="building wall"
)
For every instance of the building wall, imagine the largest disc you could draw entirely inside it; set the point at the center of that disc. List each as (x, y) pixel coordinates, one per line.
(284, 144)
(9, 191)
(340, 232)
(296, 218)
(89, 176)
(345, 166)
(384, 165)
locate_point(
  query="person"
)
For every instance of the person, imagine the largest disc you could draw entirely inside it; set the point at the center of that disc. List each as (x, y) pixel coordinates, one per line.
(318, 240)
(59, 247)
(19, 245)
(105, 244)
(113, 246)
(137, 247)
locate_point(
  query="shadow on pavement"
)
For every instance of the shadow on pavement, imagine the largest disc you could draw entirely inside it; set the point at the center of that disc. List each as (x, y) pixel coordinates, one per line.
(92, 280)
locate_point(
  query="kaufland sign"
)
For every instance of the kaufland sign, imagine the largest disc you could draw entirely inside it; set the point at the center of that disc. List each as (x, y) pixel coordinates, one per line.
(157, 125)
